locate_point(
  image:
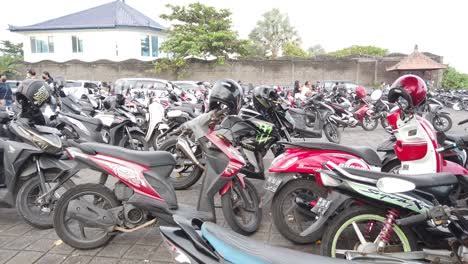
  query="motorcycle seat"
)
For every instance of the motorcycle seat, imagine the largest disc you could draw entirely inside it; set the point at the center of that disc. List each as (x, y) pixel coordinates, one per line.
(85, 119)
(147, 158)
(365, 153)
(236, 248)
(420, 180)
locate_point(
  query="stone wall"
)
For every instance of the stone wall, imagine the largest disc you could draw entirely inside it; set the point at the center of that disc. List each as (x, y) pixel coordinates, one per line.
(366, 71)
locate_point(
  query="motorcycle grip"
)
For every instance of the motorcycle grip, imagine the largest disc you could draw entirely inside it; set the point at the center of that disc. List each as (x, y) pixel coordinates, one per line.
(414, 219)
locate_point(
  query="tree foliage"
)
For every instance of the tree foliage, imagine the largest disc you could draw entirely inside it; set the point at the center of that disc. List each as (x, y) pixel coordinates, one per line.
(273, 31)
(292, 49)
(359, 50)
(9, 65)
(453, 79)
(11, 49)
(254, 50)
(316, 50)
(199, 31)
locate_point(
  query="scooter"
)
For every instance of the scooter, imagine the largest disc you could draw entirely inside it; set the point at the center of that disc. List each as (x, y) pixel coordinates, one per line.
(143, 194)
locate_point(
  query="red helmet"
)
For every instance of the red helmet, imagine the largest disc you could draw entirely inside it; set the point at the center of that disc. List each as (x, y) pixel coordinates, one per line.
(410, 87)
(361, 92)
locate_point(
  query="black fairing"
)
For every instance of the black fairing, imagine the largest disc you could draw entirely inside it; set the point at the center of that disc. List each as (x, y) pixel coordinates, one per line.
(441, 193)
(158, 179)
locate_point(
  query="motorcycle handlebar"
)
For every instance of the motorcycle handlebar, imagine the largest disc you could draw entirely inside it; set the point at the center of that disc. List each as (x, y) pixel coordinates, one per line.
(414, 219)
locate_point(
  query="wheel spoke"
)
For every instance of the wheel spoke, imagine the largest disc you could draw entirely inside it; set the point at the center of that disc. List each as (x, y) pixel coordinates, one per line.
(359, 234)
(82, 232)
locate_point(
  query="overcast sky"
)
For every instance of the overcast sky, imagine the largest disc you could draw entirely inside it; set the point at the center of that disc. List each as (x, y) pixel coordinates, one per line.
(436, 26)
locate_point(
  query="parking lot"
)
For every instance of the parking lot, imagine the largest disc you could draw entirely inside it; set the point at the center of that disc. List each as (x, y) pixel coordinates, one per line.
(20, 243)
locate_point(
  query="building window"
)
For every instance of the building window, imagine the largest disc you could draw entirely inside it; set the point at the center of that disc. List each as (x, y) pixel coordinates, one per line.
(149, 43)
(42, 44)
(154, 46)
(145, 45)
(77, 44)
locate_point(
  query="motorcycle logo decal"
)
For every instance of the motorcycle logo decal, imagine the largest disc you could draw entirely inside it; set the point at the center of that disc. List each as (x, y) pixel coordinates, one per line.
(126, 173)
(265, 131)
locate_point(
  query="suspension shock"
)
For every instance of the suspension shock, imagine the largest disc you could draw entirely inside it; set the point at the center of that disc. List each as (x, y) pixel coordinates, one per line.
(386, 232)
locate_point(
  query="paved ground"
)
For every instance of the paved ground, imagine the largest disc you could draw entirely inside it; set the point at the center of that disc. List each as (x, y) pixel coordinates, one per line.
(20, 243)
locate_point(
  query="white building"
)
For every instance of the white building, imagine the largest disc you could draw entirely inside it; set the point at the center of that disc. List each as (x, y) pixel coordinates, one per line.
(113, 31)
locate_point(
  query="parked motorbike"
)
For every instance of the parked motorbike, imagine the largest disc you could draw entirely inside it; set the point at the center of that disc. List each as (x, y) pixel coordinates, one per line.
(143, 193)
(432, 110)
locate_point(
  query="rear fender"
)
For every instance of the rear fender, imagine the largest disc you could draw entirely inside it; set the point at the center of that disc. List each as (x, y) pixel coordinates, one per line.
(309, 161)
(389, 157)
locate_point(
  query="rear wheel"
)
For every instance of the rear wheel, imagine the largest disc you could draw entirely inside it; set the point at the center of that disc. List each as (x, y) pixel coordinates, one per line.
(185, 174)
(465, 105)
(137, 142)
(357, 229)
(72, 231)
(442, 123)
(393, 166)
(384, 122)
(241, 208)
(332, 133)
(291, 213)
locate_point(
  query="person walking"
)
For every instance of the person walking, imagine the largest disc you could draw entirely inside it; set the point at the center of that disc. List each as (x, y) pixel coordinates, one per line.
(5, 91)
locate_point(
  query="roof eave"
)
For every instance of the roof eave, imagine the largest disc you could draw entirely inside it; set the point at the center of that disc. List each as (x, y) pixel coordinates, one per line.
(31, 29)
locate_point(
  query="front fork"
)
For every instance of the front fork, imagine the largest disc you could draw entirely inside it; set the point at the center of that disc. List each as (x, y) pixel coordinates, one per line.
(130, 137)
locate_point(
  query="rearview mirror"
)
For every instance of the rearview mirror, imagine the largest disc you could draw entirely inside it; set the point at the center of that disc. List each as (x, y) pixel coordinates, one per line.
(376, 95)
(394, 185)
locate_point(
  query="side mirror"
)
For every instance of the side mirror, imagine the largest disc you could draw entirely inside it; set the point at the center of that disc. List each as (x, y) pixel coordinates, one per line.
(395, 185)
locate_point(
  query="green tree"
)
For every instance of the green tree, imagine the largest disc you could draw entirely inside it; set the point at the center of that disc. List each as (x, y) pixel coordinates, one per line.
(292, 49)
(273, 31)
(12, 49)
(254, 50)
(453, 79)
(316, 50)
(359, 50)
(9, 65)
(199, 31)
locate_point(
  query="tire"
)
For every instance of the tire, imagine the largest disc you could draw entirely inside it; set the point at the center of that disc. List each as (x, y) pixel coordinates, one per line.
(180, 183)
(228, 208)
(371, 123)
(392, 167)
(359, 213)
(142, 144)
(384, 122)
(332, 133)
(465, 105)
(439, 118)
(61, 211)
(32, 217)
(281, 196)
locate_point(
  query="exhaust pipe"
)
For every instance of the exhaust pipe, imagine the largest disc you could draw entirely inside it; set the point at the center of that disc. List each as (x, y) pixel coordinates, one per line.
(339, 120)
(91, 215)
(183, 146)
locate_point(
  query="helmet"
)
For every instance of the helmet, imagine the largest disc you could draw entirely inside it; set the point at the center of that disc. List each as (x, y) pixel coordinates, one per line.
(262, 97)
(228, 93)
(361, 92)
(32, 92)
(410, 87)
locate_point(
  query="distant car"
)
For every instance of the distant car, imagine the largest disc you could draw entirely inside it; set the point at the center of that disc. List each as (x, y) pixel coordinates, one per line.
(79, 87)
(190, 86)
(350, 86)
(153, 87)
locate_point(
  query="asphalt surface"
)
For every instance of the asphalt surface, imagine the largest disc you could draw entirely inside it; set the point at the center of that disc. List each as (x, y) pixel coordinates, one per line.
(21, 243)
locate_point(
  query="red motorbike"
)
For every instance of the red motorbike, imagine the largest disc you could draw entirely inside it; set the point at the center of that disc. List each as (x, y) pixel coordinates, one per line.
(296, 189)
(88, 215)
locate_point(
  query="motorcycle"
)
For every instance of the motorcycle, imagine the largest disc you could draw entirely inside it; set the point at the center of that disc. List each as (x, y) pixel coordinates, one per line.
(377, 207)
(432, 111)
(143, 194)
(381, 107)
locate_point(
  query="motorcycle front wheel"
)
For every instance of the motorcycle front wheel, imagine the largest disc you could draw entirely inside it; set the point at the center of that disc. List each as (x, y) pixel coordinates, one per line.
(241, 208)
(442, 123)
(137, 142)
(332, 133)
(369, 123)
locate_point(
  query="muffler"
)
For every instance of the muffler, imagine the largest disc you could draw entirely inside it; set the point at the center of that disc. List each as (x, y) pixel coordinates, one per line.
(339, 120)
(91, 215)
(183, 146)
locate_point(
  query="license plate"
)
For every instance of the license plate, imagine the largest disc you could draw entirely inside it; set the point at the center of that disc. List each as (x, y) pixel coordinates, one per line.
(272, 183)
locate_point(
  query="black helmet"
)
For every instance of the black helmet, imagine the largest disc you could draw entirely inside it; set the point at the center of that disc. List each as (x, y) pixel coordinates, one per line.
(263, 96)
(32, 92)
(228, 93)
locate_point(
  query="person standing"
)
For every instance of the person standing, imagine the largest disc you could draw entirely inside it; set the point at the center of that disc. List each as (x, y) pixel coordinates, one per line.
(31, 74)
(306, 90)
(297, 88)
(5, 91)
(47, 78)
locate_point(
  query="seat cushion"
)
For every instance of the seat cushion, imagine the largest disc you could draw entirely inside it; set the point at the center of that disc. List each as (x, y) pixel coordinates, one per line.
(365, 153)
(420, 180)
(85, 119)
(236, 248)
(148, 158)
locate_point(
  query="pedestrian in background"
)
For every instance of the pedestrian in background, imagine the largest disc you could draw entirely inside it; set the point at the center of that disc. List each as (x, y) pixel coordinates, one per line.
(46, 76)
(5, 91)
(31, 74)
(297, 88)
